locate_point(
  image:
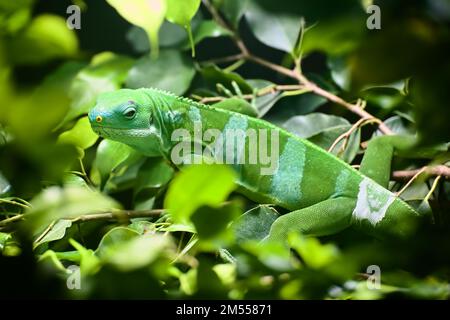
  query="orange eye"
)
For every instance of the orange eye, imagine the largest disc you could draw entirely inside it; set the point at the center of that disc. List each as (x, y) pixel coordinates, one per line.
(99, 119)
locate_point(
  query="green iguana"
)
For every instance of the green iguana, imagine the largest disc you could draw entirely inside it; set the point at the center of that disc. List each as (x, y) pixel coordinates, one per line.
(324, 194)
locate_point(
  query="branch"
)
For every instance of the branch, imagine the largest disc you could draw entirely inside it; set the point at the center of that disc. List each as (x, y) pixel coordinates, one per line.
(15, 218)
(438, 170)
(116, 215)
(294, 74)
(216, 16)
(125, 214)
(311, 86)
(230, 58)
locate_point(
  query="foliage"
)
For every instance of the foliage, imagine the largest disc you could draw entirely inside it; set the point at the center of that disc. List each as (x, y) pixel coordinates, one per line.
(136, 227)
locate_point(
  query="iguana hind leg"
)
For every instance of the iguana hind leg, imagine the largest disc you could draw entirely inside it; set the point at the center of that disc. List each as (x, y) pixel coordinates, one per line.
(324, 218)
(376, 163)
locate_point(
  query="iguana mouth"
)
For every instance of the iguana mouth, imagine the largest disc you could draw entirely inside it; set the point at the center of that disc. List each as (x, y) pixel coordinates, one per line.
(112, 132)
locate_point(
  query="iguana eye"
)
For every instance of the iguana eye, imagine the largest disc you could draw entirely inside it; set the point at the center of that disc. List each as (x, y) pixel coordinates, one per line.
(130, 113)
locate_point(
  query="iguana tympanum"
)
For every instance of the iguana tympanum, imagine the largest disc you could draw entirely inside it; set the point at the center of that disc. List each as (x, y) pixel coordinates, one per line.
(324, 194)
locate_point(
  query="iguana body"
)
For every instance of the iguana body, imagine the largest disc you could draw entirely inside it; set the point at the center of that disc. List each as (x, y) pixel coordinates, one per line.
(325, 194)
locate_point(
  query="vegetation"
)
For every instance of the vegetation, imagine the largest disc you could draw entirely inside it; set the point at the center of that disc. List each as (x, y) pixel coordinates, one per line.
(82, 217)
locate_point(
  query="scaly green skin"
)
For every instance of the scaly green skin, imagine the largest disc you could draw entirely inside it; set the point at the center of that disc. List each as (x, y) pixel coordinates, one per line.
(325, 194)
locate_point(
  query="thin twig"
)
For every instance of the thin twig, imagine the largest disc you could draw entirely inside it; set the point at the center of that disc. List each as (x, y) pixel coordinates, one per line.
(433, 187)
(15, 203)
(125, 214)
(414, 177)
(15, 218)
(346, 135)
(438, 170)
(45, 232)
(231, 58)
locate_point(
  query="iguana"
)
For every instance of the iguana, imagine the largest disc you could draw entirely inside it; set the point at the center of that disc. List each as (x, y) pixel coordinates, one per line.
(324, 194)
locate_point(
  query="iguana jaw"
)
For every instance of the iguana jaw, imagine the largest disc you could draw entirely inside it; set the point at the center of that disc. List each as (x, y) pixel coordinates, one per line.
(112, 133)
(143, 140)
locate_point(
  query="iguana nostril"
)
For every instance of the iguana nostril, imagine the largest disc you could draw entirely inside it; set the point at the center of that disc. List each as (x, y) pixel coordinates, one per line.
(99, 119)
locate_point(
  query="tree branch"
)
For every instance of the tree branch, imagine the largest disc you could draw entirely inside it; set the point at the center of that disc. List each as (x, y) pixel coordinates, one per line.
(294, 74)
(124, 214)
(438, 170)
(116, 215)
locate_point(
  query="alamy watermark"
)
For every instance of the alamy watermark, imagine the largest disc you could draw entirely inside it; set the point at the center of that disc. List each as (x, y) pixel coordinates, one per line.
(374, 20)
(229, 146)
(73, 281)
(73, 21)
(373, 282)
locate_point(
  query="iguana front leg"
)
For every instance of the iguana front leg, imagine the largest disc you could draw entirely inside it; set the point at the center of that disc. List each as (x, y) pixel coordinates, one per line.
(324, 218)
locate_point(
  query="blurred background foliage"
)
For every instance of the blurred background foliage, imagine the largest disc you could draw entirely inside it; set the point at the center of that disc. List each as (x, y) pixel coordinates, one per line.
(68, 198)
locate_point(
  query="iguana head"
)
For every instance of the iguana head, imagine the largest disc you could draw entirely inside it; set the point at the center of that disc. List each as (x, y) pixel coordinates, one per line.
(127, 116)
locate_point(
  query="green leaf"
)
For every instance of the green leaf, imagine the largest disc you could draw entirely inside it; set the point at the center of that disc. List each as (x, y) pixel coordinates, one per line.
(124, 175)
(334, 37)
(149, 73)
(140, 252)
(142, 226)
(181, 12)
(237, 105)
(326, 138)
(48, 103)
(323, 129)
(72, 179)
(81, 135)
(234, 10)
(221, 216)
(254, 224)
(292, 106)
(384, 97)
(152, 175)
(400, 125)
(4, 238)
(340, 71)
(106, 72)
(127, 250)
(196, 186)
(207, 29)
(274, 255)
(313, 253)
(113, 238)
(278, 31)
(45, 38)
(147, 14)
(109, 155)
(174, 36)
(226, 272)
(264, 103)
(178, 228)
(56, 232)
(213, 75)
(314, 123)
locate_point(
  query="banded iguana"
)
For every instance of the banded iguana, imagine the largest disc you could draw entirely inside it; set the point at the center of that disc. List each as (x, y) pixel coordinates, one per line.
(324, 194)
